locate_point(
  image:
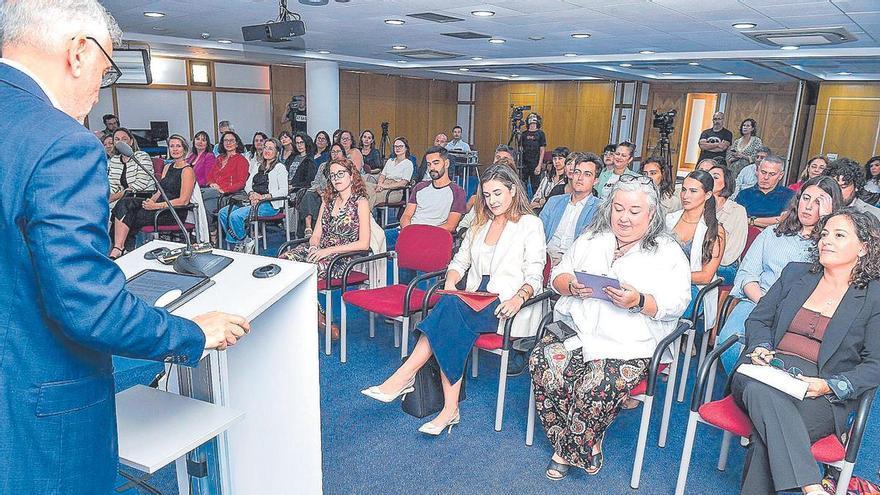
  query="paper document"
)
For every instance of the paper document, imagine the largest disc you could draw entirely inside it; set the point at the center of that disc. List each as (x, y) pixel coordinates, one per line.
(776, 378)
(477, 301)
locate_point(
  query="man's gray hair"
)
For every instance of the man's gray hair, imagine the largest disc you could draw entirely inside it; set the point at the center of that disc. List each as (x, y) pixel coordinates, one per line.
(656, 224)
(47, 24)
(774, 159)
(763, 149)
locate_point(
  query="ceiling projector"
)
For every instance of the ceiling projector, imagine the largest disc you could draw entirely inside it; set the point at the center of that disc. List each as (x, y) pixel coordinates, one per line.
(274, 31)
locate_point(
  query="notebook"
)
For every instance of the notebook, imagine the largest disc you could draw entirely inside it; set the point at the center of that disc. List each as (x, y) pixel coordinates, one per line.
(477, 301)
(776, 378)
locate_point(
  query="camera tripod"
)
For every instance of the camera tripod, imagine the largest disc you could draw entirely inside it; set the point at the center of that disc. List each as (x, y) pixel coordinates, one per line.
(384, 140)
(662, 148)
(515, 142)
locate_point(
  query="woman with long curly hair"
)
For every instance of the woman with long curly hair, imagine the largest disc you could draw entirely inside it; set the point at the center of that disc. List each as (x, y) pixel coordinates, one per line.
(820, 323)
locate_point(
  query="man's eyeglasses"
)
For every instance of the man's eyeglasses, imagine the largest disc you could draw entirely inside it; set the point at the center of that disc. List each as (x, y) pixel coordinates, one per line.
(338, 175)
(113, 73)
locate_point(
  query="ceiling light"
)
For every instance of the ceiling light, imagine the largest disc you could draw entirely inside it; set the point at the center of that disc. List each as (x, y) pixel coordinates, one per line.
(154, 14)
(482, 13)
(626, 65)
(463, 69)
(569, 54)
(316, 3)
(514, 75)
(398, 47)
(789, 47)
(401, 61)
(395, 22)
(536, 38)
(729, 73)
(647, 52)
(844, 73)
(225, 42)
(744, 25)
(497, 41)
(666, 73)
(324, 52)
(693, 63)
(476, 58)
(580, 36)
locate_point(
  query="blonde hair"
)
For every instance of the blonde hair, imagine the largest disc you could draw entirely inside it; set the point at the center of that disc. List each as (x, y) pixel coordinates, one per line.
(508, 177)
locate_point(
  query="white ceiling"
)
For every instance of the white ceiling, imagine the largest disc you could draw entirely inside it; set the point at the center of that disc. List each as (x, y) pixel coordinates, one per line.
(679, 31)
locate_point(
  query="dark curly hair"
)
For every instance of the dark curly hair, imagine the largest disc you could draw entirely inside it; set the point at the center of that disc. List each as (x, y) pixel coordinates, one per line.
(868, 232)
(847, 171)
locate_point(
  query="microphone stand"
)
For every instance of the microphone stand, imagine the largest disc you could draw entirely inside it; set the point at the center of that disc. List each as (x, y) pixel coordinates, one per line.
(189, 262)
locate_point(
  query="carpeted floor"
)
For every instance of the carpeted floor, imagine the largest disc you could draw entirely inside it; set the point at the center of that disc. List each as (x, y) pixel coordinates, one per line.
(375, 448)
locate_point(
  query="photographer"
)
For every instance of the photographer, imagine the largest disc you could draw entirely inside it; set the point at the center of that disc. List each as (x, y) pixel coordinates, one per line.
(532, 145)
(715, 140)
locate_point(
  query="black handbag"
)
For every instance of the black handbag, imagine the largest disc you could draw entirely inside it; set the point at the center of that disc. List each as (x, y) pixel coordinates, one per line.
(427, 398)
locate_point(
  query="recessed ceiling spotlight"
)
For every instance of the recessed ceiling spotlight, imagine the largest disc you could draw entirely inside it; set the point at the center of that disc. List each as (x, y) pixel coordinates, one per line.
(463, 69)
(482, 13)
(159, 28)
(744, 25)
(666, 73)
(224, 42)
(569, 54)
(647, 52)
(324, 52)
(844, 73)
(789, 47)
(514, 75)
(580, 36)
(729, 73)
(395, 22)
(536, 38)
(476, 58)
(401, 61)
(398, 47)
(154, 14)
(497, 41)
(693, 63)
(626, 65)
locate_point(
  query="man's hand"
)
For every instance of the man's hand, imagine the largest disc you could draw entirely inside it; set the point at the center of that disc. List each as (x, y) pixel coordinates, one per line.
(221, 329)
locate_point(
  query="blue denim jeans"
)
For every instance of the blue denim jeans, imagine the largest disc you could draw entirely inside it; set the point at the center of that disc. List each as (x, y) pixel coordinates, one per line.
(235, 221)
(735, 325)
(728, 272)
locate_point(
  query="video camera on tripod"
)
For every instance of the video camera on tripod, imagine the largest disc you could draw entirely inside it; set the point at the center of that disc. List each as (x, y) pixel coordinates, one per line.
(516, 113)
(663, 121)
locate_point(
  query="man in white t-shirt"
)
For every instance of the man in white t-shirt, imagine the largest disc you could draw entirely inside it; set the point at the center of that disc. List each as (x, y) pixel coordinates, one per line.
(457, 144)
(438, 202)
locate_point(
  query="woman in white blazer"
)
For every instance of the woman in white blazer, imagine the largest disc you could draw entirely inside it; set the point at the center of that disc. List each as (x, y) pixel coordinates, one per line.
(502, 253)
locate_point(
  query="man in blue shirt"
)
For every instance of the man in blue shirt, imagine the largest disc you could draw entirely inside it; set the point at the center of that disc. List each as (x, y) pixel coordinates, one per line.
(567, 215)
(765, 202)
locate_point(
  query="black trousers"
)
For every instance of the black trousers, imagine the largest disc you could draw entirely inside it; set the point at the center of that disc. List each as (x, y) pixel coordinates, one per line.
(783, 429)
(529, 165)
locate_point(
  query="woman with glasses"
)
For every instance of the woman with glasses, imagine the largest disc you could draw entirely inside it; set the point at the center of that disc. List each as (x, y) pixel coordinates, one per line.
(602, 343)
(744, 150)
(372, 158)
(815, 167)
(302, 168)
(268, 180)
(772, 250)
(342, 226)
(660, 172)
(554, 177)
(322, 148)
(228, 175)
(395, 175)
(178, 180)
(126, 178)
(346, 139)
(310, 205)
(622, 159)
(502, 253)
(820, 322)
(202, 157)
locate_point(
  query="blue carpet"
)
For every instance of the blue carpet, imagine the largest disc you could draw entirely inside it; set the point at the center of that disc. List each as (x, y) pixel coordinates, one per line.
(375, 448)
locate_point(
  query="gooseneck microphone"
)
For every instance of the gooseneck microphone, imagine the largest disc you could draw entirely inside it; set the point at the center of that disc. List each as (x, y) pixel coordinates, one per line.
(190, 262)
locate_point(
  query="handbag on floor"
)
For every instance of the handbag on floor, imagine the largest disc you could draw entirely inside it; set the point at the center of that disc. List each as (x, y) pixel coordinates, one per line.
(427, 398)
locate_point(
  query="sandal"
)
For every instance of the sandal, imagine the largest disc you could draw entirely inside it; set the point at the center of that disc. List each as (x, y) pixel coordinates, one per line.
(116, 248)
(596, 462)
(559, 468)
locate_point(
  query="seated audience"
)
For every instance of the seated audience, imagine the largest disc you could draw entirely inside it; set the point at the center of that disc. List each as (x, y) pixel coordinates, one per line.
(302, 169)
(502, 158)
(288, 150)
(223, 127)
(255, 155)
(706, 164)
(819, 323)
(202, 158)
(504, 151)
(228, 175)
(457, 143)
(744, 150)
(438, 202)
(608, 156)
(421, 173)
(733, 218)
(766, 201)
(815, 167)
(109, 145)
(126, 178)
(322, 148)
(580, 384)
(871, 191)
(310, 204)
(850, 176)
(772, 250)
(343, 224)
(502, 253)
(111, 123)
(178, 181)
(395, 175)
(565, 187)
(660, 173)
(748, 176)
(554, 177)
(623, 157)
(566, 216)
(346, 139)
(372, 157)
(267, 180)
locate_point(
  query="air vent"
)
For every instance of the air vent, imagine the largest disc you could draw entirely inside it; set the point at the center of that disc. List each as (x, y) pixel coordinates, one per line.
(467, 35)
(426, 54)
(802, 37)
(433, 17)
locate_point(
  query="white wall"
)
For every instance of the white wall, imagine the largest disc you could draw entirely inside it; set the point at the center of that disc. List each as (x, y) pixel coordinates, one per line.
(103, 107)
(248, 113)
(137, 107)
(203, 113)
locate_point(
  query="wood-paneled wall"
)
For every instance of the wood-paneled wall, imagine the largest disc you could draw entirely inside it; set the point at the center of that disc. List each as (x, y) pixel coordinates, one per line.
(847, 121)
(285, 81)
(771, 105)
(574, 114)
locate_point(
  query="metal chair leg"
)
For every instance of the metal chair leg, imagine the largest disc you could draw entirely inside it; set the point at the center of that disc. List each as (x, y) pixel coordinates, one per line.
(475, 356)
(687, 364)
(641, 442)
(404, 337)
(725, 450)
(502, 388)
(530, 418)
(372, 325)
(686, 453)
(843, 480)
(343, 350)
(670, 392)
(328, 321)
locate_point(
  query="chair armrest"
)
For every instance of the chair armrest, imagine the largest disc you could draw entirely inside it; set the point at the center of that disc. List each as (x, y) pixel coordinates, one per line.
(337, 258)
(412, 287)
(269, 200)
(859, 424)
(362, 260)
(701, 295)
(724, 311)
(388, 192)
(190, 207)
(703, 374)
(430, 292)
(654, 368)
(291, 243)
(508, 323)
(391, 225)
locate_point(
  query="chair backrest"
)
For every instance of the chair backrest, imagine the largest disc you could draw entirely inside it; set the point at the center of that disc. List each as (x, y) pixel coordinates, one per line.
(750, 237)
(158, 166)
(424, 248)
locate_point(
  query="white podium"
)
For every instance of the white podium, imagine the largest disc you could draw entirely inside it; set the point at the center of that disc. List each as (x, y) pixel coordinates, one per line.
(271, 375)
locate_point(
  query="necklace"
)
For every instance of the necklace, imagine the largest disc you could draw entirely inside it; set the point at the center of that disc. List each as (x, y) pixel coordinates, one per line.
(620, 248)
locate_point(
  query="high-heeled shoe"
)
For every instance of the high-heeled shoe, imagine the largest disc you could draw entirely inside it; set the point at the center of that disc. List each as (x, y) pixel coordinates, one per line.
(432, 429)
(374, 392)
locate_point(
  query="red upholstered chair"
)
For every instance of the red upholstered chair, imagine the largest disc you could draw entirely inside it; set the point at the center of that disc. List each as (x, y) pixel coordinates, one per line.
(158, 165)
(423, 248)
(259, 223)
(156, 230)
(727, 416)
(643, 392)
(751, 234)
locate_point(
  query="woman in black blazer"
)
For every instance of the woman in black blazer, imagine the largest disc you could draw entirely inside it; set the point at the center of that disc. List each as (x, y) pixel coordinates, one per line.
(821, 323)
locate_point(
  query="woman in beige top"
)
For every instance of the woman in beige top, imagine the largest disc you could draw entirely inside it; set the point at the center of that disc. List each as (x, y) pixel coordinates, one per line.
(732, 216)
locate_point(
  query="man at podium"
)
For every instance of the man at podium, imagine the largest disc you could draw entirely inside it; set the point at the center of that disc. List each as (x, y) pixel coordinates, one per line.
(63, 305)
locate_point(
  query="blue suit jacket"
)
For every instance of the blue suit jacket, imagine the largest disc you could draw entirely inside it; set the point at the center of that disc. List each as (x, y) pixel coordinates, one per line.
(63, 306)
(554, 208)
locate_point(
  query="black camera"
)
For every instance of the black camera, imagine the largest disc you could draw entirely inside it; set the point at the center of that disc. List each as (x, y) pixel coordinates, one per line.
(385, 127)
(516, 113)
(664, 121)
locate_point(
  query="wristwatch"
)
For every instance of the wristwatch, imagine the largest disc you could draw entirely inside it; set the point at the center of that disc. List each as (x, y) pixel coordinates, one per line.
(640, 306)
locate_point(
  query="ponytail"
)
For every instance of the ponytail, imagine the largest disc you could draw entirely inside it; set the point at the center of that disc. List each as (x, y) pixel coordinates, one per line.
(709, 216)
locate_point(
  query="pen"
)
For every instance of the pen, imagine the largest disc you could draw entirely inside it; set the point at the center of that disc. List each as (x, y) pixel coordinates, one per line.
(753, 355)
